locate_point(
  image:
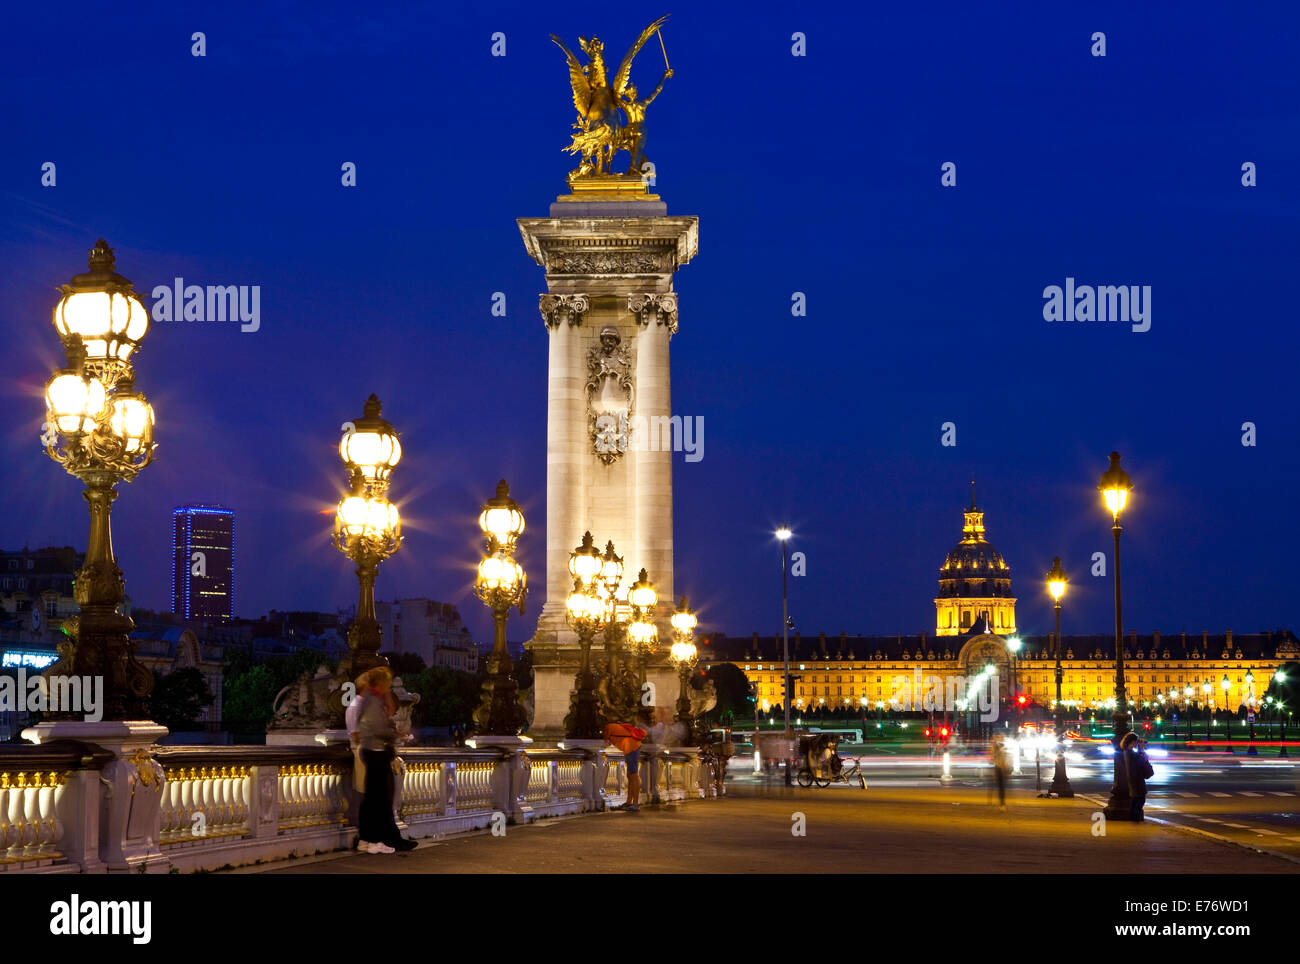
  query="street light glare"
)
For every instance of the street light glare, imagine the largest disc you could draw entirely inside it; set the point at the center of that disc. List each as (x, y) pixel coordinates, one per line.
(784, 533)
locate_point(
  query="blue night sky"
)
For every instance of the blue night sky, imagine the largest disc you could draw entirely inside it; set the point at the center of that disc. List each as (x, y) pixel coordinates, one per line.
(818, 174)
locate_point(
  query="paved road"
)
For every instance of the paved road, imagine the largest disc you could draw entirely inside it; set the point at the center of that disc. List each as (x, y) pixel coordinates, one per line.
(887, 828)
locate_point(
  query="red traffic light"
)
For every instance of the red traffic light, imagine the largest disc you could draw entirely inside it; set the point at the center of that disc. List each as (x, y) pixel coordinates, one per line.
(1021, 699)
(927, 732)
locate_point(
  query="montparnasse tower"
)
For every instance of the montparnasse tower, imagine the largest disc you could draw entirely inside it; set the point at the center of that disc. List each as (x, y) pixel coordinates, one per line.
(974, 583)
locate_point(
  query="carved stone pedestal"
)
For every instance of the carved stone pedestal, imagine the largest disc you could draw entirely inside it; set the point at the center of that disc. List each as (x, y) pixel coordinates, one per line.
(129, 820)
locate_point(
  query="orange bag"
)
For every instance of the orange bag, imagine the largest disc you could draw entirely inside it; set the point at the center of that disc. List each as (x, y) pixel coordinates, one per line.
(625, 736)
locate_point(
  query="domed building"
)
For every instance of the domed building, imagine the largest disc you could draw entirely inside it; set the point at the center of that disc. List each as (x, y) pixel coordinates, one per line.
(974, 583)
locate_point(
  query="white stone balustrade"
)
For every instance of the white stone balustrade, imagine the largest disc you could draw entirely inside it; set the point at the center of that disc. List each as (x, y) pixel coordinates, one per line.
(202, 808)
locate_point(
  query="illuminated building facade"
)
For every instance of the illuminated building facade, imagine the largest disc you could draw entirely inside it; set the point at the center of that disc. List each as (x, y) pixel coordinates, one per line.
(976, 618)
(860, 672)
(203, 562)
(974, 583)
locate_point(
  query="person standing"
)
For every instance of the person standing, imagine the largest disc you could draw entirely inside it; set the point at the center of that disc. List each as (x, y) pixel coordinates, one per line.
(377, 737)
(1001, 758)
(1138, 769)
(628, 738)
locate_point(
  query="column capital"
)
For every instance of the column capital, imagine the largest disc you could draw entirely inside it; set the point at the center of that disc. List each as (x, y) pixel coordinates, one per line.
(557, 309)
(654, 307)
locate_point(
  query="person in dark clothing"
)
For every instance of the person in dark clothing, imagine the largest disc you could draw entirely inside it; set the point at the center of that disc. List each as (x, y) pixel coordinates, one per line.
(377, 829)
(1138, 769)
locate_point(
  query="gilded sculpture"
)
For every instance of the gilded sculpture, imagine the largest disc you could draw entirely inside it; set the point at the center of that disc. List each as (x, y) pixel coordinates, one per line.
(611, 117)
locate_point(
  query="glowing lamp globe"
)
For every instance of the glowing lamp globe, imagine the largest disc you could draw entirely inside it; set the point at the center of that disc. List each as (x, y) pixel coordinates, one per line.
(585, 563)
(101, 309)
(132, 421)
(1056, 580)
(501, 520)
(370, 446)
(1115, 486)
(74, 402)
(498, 572)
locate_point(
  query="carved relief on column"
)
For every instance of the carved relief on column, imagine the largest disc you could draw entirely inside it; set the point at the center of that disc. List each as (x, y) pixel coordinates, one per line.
(610, 394)
(654, 308)
(557, 309)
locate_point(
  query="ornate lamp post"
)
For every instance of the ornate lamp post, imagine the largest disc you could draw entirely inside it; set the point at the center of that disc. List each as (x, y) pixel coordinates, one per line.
(1056, 583)
(642, 633)
(1227, 729)
(100, 429)
(501, 584)
(367, 527)
(587, 612)
(1206, 689)
(1115, 487)
(684, 655)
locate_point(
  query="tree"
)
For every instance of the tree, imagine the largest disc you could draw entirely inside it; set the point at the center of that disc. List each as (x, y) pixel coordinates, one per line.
(447, 696)
(246, 707)
(405, 664)
(734, 698)
(179, 697)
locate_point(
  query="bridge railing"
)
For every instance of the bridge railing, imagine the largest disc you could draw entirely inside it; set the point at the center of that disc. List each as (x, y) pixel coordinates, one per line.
(70, 806)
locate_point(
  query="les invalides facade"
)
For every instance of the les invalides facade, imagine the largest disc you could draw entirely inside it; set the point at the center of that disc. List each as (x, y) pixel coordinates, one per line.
(975, 625)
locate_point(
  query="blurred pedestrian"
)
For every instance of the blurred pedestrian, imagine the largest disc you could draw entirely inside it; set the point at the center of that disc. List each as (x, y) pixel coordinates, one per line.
(1137, 769)
(1000, 755)
(377, 736)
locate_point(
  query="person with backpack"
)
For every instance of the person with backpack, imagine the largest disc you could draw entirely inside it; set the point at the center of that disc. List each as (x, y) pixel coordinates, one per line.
(1138, 769)
(628, 738)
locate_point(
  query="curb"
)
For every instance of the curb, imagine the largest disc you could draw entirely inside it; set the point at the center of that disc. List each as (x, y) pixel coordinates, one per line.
(1200, 833)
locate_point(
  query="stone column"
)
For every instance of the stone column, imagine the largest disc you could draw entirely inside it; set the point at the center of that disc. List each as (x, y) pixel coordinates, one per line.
(609, 265)
(656, 317)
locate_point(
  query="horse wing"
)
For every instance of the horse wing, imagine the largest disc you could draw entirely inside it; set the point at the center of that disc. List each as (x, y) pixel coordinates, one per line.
(578, 80)
(625, 68)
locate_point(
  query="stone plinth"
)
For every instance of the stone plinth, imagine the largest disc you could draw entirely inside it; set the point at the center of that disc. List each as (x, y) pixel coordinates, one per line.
(608, 276)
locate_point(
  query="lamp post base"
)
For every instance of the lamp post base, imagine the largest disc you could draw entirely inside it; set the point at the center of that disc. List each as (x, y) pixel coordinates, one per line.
(1060, 781)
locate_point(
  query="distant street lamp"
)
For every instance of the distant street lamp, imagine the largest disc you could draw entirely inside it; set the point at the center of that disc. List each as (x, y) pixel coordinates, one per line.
(783, 536)
(1014, 644)
(501, 584)
(1056, 584)
(684, 655)
(100, 429)
(587, 612)
(1115, 487)
(1206, 689)
(1250, 709)
(367, 527)
(1227, 743)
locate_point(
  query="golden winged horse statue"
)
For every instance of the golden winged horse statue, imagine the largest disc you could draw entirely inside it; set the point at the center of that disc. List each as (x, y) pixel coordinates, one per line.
(610, 117)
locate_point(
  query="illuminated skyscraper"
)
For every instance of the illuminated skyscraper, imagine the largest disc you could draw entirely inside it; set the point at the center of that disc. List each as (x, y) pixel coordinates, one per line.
(203, 562)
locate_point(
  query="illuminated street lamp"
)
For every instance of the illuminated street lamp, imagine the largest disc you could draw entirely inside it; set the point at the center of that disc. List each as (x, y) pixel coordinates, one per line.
(683, 654)
(367, 527)
(1056, 584)
(501, 584)
(783, 535)
(1250, 709)
(642, 633)
(1227, 685)
(100, 429)
(1115, 487)
(1014, 645)
(588, 612)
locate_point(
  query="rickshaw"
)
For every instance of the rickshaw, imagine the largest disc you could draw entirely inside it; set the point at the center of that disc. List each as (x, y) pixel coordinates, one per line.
(823, 766)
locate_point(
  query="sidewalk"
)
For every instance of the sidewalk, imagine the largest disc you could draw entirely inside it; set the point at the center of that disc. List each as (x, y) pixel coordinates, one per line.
(885, 830)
